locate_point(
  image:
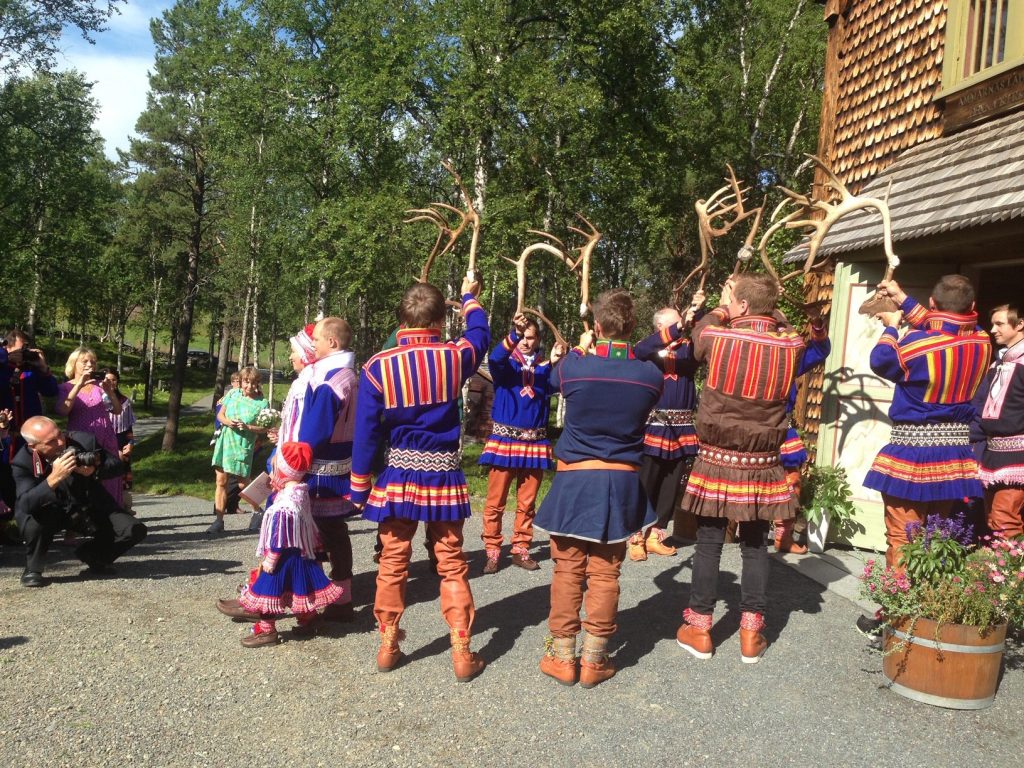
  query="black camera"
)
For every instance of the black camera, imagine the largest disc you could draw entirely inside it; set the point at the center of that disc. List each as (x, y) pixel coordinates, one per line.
(84, 458)
(24, 358)
(99, 375)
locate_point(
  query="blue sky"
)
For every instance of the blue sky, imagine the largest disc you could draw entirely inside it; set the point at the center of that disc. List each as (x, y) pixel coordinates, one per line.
(118, 64)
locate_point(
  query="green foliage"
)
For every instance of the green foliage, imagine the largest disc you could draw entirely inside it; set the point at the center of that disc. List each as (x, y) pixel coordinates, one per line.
(826, 490)
(30, 31)
(283, 141)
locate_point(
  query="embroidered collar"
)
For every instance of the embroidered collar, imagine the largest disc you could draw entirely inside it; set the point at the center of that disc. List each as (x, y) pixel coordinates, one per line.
(759, 323)
(343, 358)
(951, 323)
(614, 350)
(407, 336)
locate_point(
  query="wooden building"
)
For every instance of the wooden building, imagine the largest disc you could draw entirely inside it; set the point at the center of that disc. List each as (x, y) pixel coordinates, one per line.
(925, 99)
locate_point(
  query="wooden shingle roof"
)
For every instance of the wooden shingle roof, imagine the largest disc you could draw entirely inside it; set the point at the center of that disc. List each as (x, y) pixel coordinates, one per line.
(891, 71)
(971, 178)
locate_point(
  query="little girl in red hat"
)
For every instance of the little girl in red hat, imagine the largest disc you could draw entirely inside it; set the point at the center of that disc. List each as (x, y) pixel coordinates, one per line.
(290, 578)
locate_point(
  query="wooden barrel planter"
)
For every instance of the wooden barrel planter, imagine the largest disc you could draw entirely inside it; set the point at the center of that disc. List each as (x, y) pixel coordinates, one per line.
(959, 671)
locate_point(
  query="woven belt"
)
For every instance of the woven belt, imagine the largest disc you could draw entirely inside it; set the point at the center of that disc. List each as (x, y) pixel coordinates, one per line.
(1008, 443)
(333, 468)
(619, 466)
(424, 461)
(516, 433)
(724, 457)
(930, 435)
(670, 417)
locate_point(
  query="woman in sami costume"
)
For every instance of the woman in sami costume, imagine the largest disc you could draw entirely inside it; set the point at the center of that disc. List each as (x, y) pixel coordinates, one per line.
(518, 447)
(927, 466)
(411, 394)
(596, 501)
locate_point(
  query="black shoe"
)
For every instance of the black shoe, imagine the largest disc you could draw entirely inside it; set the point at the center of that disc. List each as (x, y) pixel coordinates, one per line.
(98, 571)
(869, 626)
(216, 527)
(32, 579)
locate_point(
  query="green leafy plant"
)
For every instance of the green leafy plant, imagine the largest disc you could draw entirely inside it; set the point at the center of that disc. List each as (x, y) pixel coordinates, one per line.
(826, 491)
(947, 578)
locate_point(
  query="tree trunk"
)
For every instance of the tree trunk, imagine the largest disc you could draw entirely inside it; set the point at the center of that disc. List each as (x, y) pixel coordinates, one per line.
(321, 299)
(273, 359)
(188, 304)
(255, 358)
(222, 362)
(151, 339)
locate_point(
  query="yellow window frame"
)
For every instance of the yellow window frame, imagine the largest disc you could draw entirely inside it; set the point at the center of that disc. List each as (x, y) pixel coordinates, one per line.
(957, 29)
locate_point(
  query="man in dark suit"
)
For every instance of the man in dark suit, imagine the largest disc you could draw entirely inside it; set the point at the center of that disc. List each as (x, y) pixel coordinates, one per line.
(56, 490)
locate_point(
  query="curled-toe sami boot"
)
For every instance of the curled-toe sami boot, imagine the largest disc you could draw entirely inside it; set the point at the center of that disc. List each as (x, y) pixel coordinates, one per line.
(389, 654)
(559, 659)
(466, 664)
(595, 666)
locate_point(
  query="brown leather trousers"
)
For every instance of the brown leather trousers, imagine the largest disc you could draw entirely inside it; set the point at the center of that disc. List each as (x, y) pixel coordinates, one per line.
(396, 535)
(599, 564)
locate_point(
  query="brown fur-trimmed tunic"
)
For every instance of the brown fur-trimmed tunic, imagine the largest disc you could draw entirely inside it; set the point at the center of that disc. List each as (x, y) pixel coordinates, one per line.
(742, 418)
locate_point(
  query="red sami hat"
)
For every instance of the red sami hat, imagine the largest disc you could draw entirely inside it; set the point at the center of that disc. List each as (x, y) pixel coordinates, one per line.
(294, 460)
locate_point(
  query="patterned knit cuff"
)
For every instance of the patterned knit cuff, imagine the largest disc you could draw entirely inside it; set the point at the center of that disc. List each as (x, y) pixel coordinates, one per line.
(469, 304)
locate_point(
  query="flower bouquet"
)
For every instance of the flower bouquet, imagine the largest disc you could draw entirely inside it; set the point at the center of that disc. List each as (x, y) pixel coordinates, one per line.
(950, 597)
(268, 418)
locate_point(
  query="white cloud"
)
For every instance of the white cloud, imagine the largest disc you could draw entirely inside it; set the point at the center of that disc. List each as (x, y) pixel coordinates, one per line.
(120, 84)
(118, 66)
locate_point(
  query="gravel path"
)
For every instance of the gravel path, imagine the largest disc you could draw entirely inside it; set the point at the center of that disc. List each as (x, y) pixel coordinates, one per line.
(141, 670)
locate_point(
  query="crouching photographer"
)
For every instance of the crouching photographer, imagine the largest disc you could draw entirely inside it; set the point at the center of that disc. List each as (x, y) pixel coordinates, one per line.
(57, 475)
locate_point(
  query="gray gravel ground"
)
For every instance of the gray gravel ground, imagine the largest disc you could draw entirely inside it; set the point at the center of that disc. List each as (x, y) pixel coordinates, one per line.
(142, 670)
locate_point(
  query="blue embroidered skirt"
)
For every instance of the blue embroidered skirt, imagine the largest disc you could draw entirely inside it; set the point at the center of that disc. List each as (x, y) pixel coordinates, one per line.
(422, 495)
(509, 453)
(603, 505)
(793, 453)
(297, 585)
(925, 473)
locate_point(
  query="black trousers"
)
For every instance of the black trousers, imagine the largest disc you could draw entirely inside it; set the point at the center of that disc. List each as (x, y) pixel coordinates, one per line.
(338, 544)
(661, 479)
(116, 533)
(707, 557)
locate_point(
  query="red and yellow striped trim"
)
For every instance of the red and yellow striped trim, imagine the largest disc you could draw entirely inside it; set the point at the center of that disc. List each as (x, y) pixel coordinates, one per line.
(925, 472)
(420, 495)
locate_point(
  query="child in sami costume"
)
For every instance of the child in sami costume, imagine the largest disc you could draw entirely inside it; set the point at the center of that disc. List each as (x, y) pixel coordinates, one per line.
(742, 421)
(928, 465)
(518, 448)
(290, 577)
(596, 501)
(793, 453)
(411, 395)
(670, 439)
(302, 356)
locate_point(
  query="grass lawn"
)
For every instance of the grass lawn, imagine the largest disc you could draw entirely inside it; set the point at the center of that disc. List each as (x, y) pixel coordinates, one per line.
(188, 471)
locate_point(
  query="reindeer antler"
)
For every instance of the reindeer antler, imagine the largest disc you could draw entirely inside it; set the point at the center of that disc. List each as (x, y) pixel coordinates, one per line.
(725, 202)
(579, 267)
(586, 252)
(815, 217)
(520, 265)
(438, 214)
